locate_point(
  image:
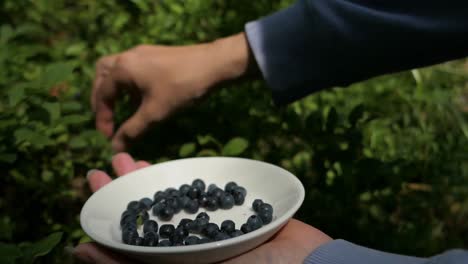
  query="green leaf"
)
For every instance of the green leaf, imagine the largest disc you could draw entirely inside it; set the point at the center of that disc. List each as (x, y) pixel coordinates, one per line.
(53, 109)
(42, 247)
(75, 49)
(6, 33)
(332, 119)
(235, 146)
(187, 149)
(15, 95)
(75, 119)
(55, 73)
(207, 153)
(356, 114)
(9, 253)
(71, 107)
(77, 142)
(7, 157)
(25, 134)
(206, 139)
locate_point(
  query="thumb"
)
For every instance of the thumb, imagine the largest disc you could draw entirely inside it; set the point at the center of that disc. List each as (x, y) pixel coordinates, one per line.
(130, 130)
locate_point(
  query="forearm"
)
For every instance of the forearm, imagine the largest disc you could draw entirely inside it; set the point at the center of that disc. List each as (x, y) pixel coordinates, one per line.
(317, 44)
(343, 252)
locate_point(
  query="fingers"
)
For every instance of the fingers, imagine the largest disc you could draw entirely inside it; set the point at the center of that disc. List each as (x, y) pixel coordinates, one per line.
(103, 68)
(92, 253)
(97, 179)
(130, 130)
(142, 164)
(123, 163)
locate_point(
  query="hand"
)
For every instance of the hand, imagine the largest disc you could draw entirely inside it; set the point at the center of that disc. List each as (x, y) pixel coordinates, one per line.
(291, 244)
(163, 79)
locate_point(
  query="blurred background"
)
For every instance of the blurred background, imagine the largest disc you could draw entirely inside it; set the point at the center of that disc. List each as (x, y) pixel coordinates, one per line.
(384, 162)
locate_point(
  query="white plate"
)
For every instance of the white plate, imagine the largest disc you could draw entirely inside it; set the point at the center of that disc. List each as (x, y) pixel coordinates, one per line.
(100, 216)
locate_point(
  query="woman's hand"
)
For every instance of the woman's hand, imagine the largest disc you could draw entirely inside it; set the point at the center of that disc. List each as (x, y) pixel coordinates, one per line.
(291, 244)
(163, 79)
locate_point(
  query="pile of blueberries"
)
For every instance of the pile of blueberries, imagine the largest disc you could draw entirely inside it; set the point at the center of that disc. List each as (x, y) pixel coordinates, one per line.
(189, 198)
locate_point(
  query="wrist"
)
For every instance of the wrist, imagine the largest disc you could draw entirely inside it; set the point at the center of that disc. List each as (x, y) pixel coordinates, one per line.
(231, 57)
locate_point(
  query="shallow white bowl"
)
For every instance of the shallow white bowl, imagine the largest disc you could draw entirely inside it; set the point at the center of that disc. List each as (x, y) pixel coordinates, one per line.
(100, 216)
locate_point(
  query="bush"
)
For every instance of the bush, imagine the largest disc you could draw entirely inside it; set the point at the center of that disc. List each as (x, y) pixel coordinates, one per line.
(385, 158)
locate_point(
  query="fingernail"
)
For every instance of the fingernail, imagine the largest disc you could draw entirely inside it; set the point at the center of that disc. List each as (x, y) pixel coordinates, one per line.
(89, 173)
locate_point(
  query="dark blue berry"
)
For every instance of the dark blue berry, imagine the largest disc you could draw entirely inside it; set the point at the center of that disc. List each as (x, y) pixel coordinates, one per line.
(183, 189)
(254, 222)
(199, 184)
(211, 230)
(239, 198)
(134, 206)
(150, 226)
(198, 225)
(229, 187)
(128, 218)
(226, 201)
(139, 241)
(183, 200)
(165, 243)
(143, 216)
(129, 236)
(185, 223)
(239, 190)
(179, 235)
(211, 204)
(191, 240)
(204, 240)
(211, 187)
(191, 207)
(203, 215)
(256, 204)
(266, 217)
(151, 239)
(158, 196)
(265, 207)
(236, 233)
(217, 193)
(129, 226)
(166, 231)
(228, 226)
(194, 193)
(146, 203)
(174, 204)
(158, 207)
(221, 236)
(202, 199)
(166, 213)
(169, 191)
(245, 228)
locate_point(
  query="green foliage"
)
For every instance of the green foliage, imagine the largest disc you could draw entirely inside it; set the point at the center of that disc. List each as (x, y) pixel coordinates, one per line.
(384, 162)
(26, 253)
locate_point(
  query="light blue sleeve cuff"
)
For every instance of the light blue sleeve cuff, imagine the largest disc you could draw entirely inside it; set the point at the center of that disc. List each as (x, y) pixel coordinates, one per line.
(343, 252)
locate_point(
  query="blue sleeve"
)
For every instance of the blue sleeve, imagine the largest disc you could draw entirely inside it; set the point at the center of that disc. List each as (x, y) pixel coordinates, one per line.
(343, 252)
(317, 44)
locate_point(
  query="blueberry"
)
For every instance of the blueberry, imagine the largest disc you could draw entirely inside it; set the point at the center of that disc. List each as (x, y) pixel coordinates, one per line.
(245, 228)
(150, 226)
(146, 203)
(166, 231)
(211, 204)
(256, 204)
(191, 207)
(169, 191)
(217, 193)
(139, 241)
(165, 243)
(228, 226)
(166, 214)
(134, 206)
(226, 201)
(183, 189)
(151, 239)
(129, 237)
(158, 207)
(266, 217)
(229, 187)
(129, 218)
(236, 233)
(202, 199)
(239, 190)
(127, 212)
(183, 200)
(179, 235)
(129, 226)
(198, 225)
(193, 193)
(200, 184)
(191, 240)
(174, 204)
(143, 216)
(265, 207)
(239, 197)
(211, 187)
(211, 230)
(185, 223)
(254, 222)
(203, 215)
(221, 236)
(158, 196)
(204, 240)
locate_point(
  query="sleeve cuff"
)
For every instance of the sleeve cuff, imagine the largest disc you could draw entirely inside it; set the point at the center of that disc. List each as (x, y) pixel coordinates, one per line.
(343, 252)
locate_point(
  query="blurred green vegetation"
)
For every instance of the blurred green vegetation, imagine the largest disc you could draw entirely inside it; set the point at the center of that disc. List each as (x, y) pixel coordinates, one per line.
(384, 162)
